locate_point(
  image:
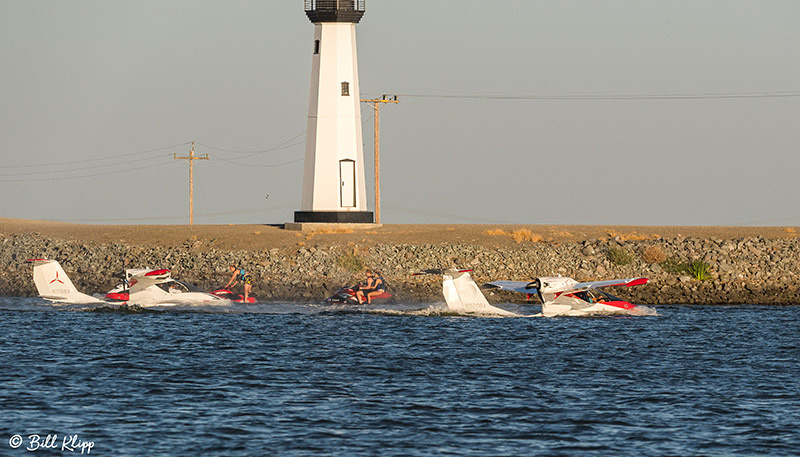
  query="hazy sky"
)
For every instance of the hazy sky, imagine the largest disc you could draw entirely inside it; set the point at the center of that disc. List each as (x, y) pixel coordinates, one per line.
(511, 111)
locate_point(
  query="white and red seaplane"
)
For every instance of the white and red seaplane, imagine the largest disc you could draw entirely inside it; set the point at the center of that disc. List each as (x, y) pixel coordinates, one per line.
(562, 296)
(141, 287)
(559, 296)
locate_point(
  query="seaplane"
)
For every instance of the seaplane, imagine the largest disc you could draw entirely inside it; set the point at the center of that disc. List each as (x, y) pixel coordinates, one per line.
(141, 287)
(562, 296)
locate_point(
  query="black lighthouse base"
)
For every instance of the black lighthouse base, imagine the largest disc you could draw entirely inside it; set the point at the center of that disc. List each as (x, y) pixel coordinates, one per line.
(335, 217)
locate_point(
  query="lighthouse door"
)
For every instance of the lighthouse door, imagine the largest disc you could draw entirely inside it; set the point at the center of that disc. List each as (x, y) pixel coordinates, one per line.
(347, 179)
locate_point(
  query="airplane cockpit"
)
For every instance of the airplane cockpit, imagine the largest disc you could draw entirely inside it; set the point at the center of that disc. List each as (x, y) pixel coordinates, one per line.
(177, 287)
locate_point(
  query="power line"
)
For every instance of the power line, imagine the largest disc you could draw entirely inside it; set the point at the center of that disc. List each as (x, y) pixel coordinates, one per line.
(288, 144)
(96, 159)
(261, 166)
(256, 152)
(179, 217)
(590, 97)
(81, 168)
(127, 170)
(282, 146)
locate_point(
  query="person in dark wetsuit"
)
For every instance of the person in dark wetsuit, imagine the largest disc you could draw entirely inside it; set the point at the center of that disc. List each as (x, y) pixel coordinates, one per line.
(378, 286)
(240, 275)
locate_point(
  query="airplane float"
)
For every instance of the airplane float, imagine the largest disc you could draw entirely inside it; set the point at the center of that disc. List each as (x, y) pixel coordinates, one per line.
(142, 287)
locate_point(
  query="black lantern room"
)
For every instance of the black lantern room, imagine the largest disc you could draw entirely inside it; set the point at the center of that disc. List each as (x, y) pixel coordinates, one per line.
(335, 10)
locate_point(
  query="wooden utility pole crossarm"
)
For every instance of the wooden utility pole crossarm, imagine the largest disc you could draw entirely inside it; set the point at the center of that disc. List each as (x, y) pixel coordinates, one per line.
(376, 105)
(191, 160)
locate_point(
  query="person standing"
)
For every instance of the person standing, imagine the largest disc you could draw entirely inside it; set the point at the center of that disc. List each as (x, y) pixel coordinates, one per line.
(239, 274)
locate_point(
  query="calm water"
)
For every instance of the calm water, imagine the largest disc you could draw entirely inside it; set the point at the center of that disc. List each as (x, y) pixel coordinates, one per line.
(308, 380)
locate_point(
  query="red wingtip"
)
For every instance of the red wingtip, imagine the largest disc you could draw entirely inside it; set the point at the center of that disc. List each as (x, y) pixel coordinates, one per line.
(637, 282)
(157, 272)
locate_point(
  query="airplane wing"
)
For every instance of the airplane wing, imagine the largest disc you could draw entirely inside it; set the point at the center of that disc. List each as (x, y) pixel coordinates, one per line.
(142, 281)
(439, 271)
(527, 287)
(630, 282)
(524, 287)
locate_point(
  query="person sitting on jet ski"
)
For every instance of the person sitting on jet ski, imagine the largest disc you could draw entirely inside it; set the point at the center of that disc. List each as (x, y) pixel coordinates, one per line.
(380, 286)
(374, 286)
(239, 274)
(365, 288)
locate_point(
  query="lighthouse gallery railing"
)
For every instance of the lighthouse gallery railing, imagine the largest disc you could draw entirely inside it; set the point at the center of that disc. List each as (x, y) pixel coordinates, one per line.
(316, 5)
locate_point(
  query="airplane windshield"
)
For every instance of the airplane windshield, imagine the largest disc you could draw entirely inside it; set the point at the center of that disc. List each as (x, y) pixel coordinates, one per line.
(190, 287)
(177, 287)
(607, 296)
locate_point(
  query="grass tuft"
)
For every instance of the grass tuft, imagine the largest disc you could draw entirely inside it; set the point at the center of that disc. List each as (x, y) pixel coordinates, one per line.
(619, 255)
(699, 270)
(521, 235)
(351, 262)
(654, 254)
(518, 235)
(674, 266)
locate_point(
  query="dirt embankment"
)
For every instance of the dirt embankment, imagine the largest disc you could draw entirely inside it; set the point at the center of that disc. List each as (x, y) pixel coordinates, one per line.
(260, 237)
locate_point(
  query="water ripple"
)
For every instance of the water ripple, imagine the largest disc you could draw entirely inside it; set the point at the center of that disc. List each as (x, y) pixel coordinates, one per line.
(299, 380)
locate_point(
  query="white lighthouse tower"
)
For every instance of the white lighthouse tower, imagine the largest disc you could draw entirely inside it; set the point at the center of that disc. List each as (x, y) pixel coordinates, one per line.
(334, 190)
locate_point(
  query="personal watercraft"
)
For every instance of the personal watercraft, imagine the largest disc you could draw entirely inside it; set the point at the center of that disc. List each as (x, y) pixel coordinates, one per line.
(347, 296)
(232, 296)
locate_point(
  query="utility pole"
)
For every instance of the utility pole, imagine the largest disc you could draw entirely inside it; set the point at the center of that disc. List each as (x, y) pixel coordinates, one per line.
(191, 160)
(376, 105)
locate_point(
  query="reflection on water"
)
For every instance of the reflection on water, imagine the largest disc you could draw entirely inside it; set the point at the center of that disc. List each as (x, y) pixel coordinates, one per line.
(411, 309)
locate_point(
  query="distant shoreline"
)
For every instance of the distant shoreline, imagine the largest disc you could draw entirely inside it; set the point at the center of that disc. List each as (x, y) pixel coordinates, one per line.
(759, 265)
(267, 236)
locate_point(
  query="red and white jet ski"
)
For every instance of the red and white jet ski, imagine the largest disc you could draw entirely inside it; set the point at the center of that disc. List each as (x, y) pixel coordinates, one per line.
(232, 296)
(347, 296)
(142, 287)
(562, 296)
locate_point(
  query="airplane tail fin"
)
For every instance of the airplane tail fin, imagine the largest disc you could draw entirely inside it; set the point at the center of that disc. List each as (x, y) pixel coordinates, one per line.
(463, 295)
(53, 284)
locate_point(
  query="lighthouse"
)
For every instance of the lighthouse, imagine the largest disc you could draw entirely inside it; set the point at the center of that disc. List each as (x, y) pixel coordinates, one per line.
(334, 190)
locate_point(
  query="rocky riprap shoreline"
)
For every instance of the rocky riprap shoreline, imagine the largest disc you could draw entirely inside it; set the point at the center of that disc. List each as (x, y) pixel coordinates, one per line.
(746, 270)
